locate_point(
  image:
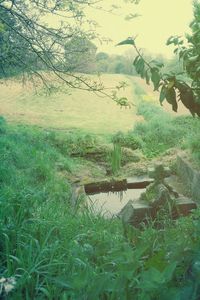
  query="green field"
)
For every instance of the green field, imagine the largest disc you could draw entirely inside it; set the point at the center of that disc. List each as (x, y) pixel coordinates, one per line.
(80, 109)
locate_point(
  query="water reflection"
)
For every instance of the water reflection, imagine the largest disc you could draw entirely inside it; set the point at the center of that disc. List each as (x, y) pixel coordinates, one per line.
(111, 203)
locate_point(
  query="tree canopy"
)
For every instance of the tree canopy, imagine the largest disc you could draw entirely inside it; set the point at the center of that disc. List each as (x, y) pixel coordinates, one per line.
(31, 46)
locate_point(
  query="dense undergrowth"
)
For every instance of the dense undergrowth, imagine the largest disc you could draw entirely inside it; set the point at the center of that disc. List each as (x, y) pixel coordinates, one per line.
(55, 251)
(161, 131)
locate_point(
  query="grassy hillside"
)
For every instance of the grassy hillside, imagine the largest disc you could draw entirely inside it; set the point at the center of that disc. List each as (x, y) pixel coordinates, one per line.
(80, 109)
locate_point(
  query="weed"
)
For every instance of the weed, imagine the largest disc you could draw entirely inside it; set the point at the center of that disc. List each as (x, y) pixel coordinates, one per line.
(116, 158)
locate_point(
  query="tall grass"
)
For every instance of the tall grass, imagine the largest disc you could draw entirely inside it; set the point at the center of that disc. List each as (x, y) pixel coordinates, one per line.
(55, 252)
(116, 158)
(161, 131)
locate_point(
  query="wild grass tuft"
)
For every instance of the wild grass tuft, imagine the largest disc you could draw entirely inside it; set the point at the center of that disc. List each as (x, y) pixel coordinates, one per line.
(161, 131)
(115, 158)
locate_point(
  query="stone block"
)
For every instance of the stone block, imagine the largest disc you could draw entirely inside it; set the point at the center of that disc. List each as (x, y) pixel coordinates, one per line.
(189, 176)
(183, 207)
(135, 213)
(138, 182)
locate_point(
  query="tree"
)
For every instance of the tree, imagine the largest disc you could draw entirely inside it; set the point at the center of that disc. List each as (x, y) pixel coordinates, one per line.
(80, 55)
(101, 56)
(14, 51)
(25, 35)
(30, 44)
(172, 86)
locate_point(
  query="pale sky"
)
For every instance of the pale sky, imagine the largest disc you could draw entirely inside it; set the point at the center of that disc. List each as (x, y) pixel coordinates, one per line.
(159, 20)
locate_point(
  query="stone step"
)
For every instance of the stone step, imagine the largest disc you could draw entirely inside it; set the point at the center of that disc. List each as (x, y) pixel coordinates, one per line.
(175, 186)
(135, 213)
(184, 206)
(138, 182)
(105, 186)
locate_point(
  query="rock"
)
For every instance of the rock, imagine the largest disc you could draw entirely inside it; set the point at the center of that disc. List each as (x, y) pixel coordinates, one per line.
(189, 175)
(183, 207)
(156, 195)
(135, 213)
(105, 186)
(162, 197)
(77, 192)
(139, 182)
(158, 172)
(135, 169)
(129, 156)
(174, 185)
(96, 153)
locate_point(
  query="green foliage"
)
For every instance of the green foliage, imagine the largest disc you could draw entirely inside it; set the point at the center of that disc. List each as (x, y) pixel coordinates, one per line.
(80, 55)
(128, 41)
(161, 131)
(72, 143)
(55, 252)
(127, 140)
(193, 143)
(115, 158)
(114, 64)
(171, 85)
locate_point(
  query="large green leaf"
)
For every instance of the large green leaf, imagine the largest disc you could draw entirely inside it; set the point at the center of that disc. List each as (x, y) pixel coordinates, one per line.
(155, 78)
(163, 93)
(171, 98)
(136, 60)
(141, 66)
(147, 77)
(193, 58)
(128, 41)
(157, 63)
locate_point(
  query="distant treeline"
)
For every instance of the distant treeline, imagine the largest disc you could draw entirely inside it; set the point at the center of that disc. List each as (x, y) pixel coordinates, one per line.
(79, 55)
(123, 64)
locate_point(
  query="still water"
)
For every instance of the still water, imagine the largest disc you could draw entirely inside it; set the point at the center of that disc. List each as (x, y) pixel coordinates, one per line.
(110, 204)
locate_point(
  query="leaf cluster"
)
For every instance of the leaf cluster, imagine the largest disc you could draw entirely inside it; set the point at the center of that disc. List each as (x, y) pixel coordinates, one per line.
(171, 87)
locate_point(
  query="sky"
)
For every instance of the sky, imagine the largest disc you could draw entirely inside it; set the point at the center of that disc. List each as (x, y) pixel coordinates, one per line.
(158, 21)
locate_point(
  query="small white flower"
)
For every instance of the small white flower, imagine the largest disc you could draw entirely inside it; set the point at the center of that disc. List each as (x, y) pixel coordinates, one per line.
(7, 284)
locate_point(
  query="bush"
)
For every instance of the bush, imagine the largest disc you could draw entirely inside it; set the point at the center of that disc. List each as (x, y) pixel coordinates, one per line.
(149, 110)
(128, 140)
(70, 143)
(193, 143)
(161, 131)
(157, 135)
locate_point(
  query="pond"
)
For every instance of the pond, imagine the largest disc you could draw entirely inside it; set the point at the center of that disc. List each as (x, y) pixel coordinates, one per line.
(109, 204)
(108, 198)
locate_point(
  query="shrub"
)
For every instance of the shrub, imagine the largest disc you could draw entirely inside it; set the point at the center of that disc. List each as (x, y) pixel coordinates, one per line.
(74, 142)
(193, 143)
(161, 131)
(128, 140)
(149, 110)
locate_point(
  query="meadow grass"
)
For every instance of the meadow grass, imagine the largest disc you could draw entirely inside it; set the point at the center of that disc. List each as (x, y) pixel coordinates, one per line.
(68, 109)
